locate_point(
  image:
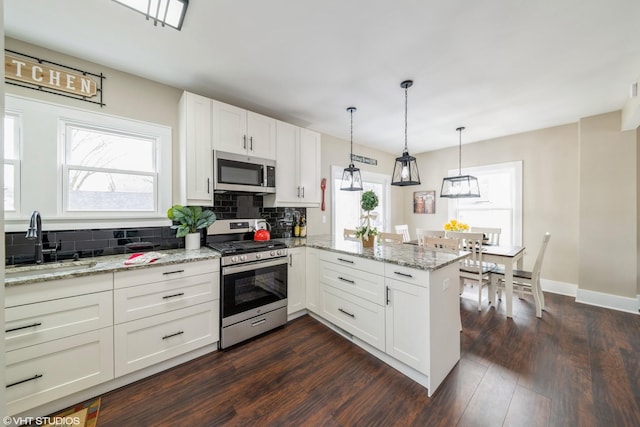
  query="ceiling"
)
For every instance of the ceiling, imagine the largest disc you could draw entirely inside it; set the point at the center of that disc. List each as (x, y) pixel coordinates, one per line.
(498, 67)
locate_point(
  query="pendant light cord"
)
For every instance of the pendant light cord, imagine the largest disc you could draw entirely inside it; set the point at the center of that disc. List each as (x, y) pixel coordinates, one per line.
(351, 110)
(406, 97)
(460, 129)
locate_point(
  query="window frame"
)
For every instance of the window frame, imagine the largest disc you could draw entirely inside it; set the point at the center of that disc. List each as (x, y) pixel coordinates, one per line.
(43, 166)
(15, 162)
(514, 168)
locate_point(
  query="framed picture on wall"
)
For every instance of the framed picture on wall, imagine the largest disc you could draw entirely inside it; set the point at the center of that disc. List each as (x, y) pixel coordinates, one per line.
(424, 202)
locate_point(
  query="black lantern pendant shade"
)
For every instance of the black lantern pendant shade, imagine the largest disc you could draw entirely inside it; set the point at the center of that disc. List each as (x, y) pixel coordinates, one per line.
(351, 177)
(461, 186)
(405, 170)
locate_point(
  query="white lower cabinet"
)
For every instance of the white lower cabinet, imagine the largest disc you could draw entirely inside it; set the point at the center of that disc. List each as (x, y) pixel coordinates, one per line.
(163, 312)
(150, 340)
(296, 280)
(313, 280)
(58, 339)
(407, 324)
(355, 315)
(42, 373)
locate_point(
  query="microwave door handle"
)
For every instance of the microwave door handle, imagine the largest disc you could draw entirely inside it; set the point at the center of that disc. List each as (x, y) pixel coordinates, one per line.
(264, 176)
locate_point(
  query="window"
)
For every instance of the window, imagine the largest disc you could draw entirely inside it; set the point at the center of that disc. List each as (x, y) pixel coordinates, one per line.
(82, 168)
(11, 162)
(346, 204)
(108, 171)
(500, 202)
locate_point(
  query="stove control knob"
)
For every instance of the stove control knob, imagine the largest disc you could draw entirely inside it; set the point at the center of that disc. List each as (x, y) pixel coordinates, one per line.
(234, 259)
(272, 253)
(258, 256)
(243, 257)
(279, 252)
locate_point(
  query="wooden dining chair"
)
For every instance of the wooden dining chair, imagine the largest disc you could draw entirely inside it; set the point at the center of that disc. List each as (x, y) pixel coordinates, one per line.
(421, 233)
(473, 268)
(491, 235)
(525, 281)
(442, 243)
(404, 230)
(390, 237)
(349, 234)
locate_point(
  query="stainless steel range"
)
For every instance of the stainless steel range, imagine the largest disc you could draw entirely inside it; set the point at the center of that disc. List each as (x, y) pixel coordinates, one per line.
(253, 280)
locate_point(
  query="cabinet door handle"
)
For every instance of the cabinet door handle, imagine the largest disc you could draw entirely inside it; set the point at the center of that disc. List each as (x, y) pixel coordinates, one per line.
(166, 273)
(35, 377)
(347, 313)
(244, 141)
(402, 274)
(172, 335)
(251, 143)
(347, 280)
(33, 325)
(298, 192)
(173, 296)
(303, 192)
(387, 295)
(345, 260)
(208, 185)
(290, 260)
(258, 322)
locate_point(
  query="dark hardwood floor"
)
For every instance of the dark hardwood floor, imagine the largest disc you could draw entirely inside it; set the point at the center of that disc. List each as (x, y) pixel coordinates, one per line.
(577, 366)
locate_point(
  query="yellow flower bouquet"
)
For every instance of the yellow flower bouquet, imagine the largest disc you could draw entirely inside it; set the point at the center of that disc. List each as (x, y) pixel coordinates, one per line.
(455, 225)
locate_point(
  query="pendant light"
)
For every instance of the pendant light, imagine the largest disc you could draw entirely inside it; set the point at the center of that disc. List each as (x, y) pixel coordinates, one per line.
(351, 178)
(405, 171)
(457, 187)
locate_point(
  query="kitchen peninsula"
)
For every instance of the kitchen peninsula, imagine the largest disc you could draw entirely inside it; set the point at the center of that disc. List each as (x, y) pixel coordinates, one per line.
(399, 302)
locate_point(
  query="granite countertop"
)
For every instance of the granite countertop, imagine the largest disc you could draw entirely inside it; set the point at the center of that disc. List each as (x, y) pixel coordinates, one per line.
(395, 253)
(106, 264)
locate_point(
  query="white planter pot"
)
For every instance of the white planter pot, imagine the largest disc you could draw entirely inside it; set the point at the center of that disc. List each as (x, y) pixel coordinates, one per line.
(192, 241)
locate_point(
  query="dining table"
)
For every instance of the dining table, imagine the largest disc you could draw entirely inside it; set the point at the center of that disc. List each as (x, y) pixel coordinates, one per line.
(507, 256)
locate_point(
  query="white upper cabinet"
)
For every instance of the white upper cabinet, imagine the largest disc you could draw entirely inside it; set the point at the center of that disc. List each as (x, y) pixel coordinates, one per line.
(297, 169)
(196, 155)
(239, 131)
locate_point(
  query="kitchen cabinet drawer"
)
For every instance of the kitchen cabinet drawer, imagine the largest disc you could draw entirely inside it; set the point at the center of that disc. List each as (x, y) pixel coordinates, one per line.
(42, 373)
(356, 282)
(56, 289)
(147, 341)
(45, 321)
(357, 316)
(156, 298)
(364, 264)
(161, 273)
(406, 274)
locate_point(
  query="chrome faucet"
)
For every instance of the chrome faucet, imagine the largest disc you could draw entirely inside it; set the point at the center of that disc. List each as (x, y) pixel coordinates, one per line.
(35, 233)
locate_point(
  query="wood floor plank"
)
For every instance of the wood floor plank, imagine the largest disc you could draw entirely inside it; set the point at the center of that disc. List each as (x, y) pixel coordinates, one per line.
(566, 369)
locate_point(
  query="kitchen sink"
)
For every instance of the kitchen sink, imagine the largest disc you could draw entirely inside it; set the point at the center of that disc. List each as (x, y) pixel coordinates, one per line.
(48, 268)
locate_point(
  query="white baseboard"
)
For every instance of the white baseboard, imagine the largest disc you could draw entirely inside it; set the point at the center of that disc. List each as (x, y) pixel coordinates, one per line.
(598, 299)
(615, 302)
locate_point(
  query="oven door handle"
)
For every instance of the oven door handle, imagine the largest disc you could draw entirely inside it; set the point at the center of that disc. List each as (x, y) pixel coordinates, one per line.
(252, 266)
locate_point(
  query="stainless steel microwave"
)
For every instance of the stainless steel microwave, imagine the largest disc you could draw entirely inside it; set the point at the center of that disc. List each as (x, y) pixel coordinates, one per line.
(237, 172)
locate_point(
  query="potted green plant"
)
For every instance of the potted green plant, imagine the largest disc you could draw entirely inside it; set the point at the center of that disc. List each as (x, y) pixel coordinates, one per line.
(368, 202)
(190, 219)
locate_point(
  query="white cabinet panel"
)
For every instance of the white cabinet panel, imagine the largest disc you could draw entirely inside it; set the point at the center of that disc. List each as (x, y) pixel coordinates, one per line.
(42, 373)
(313, 280)
(296, 280)
(239, 131)
(356, 282)
(162, 273)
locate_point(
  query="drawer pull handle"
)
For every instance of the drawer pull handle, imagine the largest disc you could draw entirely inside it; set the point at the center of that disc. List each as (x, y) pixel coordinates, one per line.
(259, 322)
(347, 313)
(172, 335)
(166, 273)
(347, 280)
(387, 295)
(345, 260)
(35, 377)
(402, 274)
(23, 327)
(173, 296)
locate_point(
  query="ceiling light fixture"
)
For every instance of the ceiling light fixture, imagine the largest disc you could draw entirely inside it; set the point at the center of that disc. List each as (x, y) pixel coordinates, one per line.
(166, 12)
(405, 170)
(351, 178)
(457, 187)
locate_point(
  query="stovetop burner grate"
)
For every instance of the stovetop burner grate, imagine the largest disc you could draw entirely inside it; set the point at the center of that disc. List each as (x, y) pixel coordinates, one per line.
(245, 246)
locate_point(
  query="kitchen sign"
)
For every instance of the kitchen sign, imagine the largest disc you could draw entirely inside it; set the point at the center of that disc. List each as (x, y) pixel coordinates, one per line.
(34, 73)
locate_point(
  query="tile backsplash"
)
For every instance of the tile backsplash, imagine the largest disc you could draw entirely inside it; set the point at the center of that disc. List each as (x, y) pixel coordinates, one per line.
(70, 244)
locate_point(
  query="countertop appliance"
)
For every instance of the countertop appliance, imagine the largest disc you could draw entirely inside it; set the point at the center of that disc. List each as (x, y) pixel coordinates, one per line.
(242, 173)
(253, 280)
